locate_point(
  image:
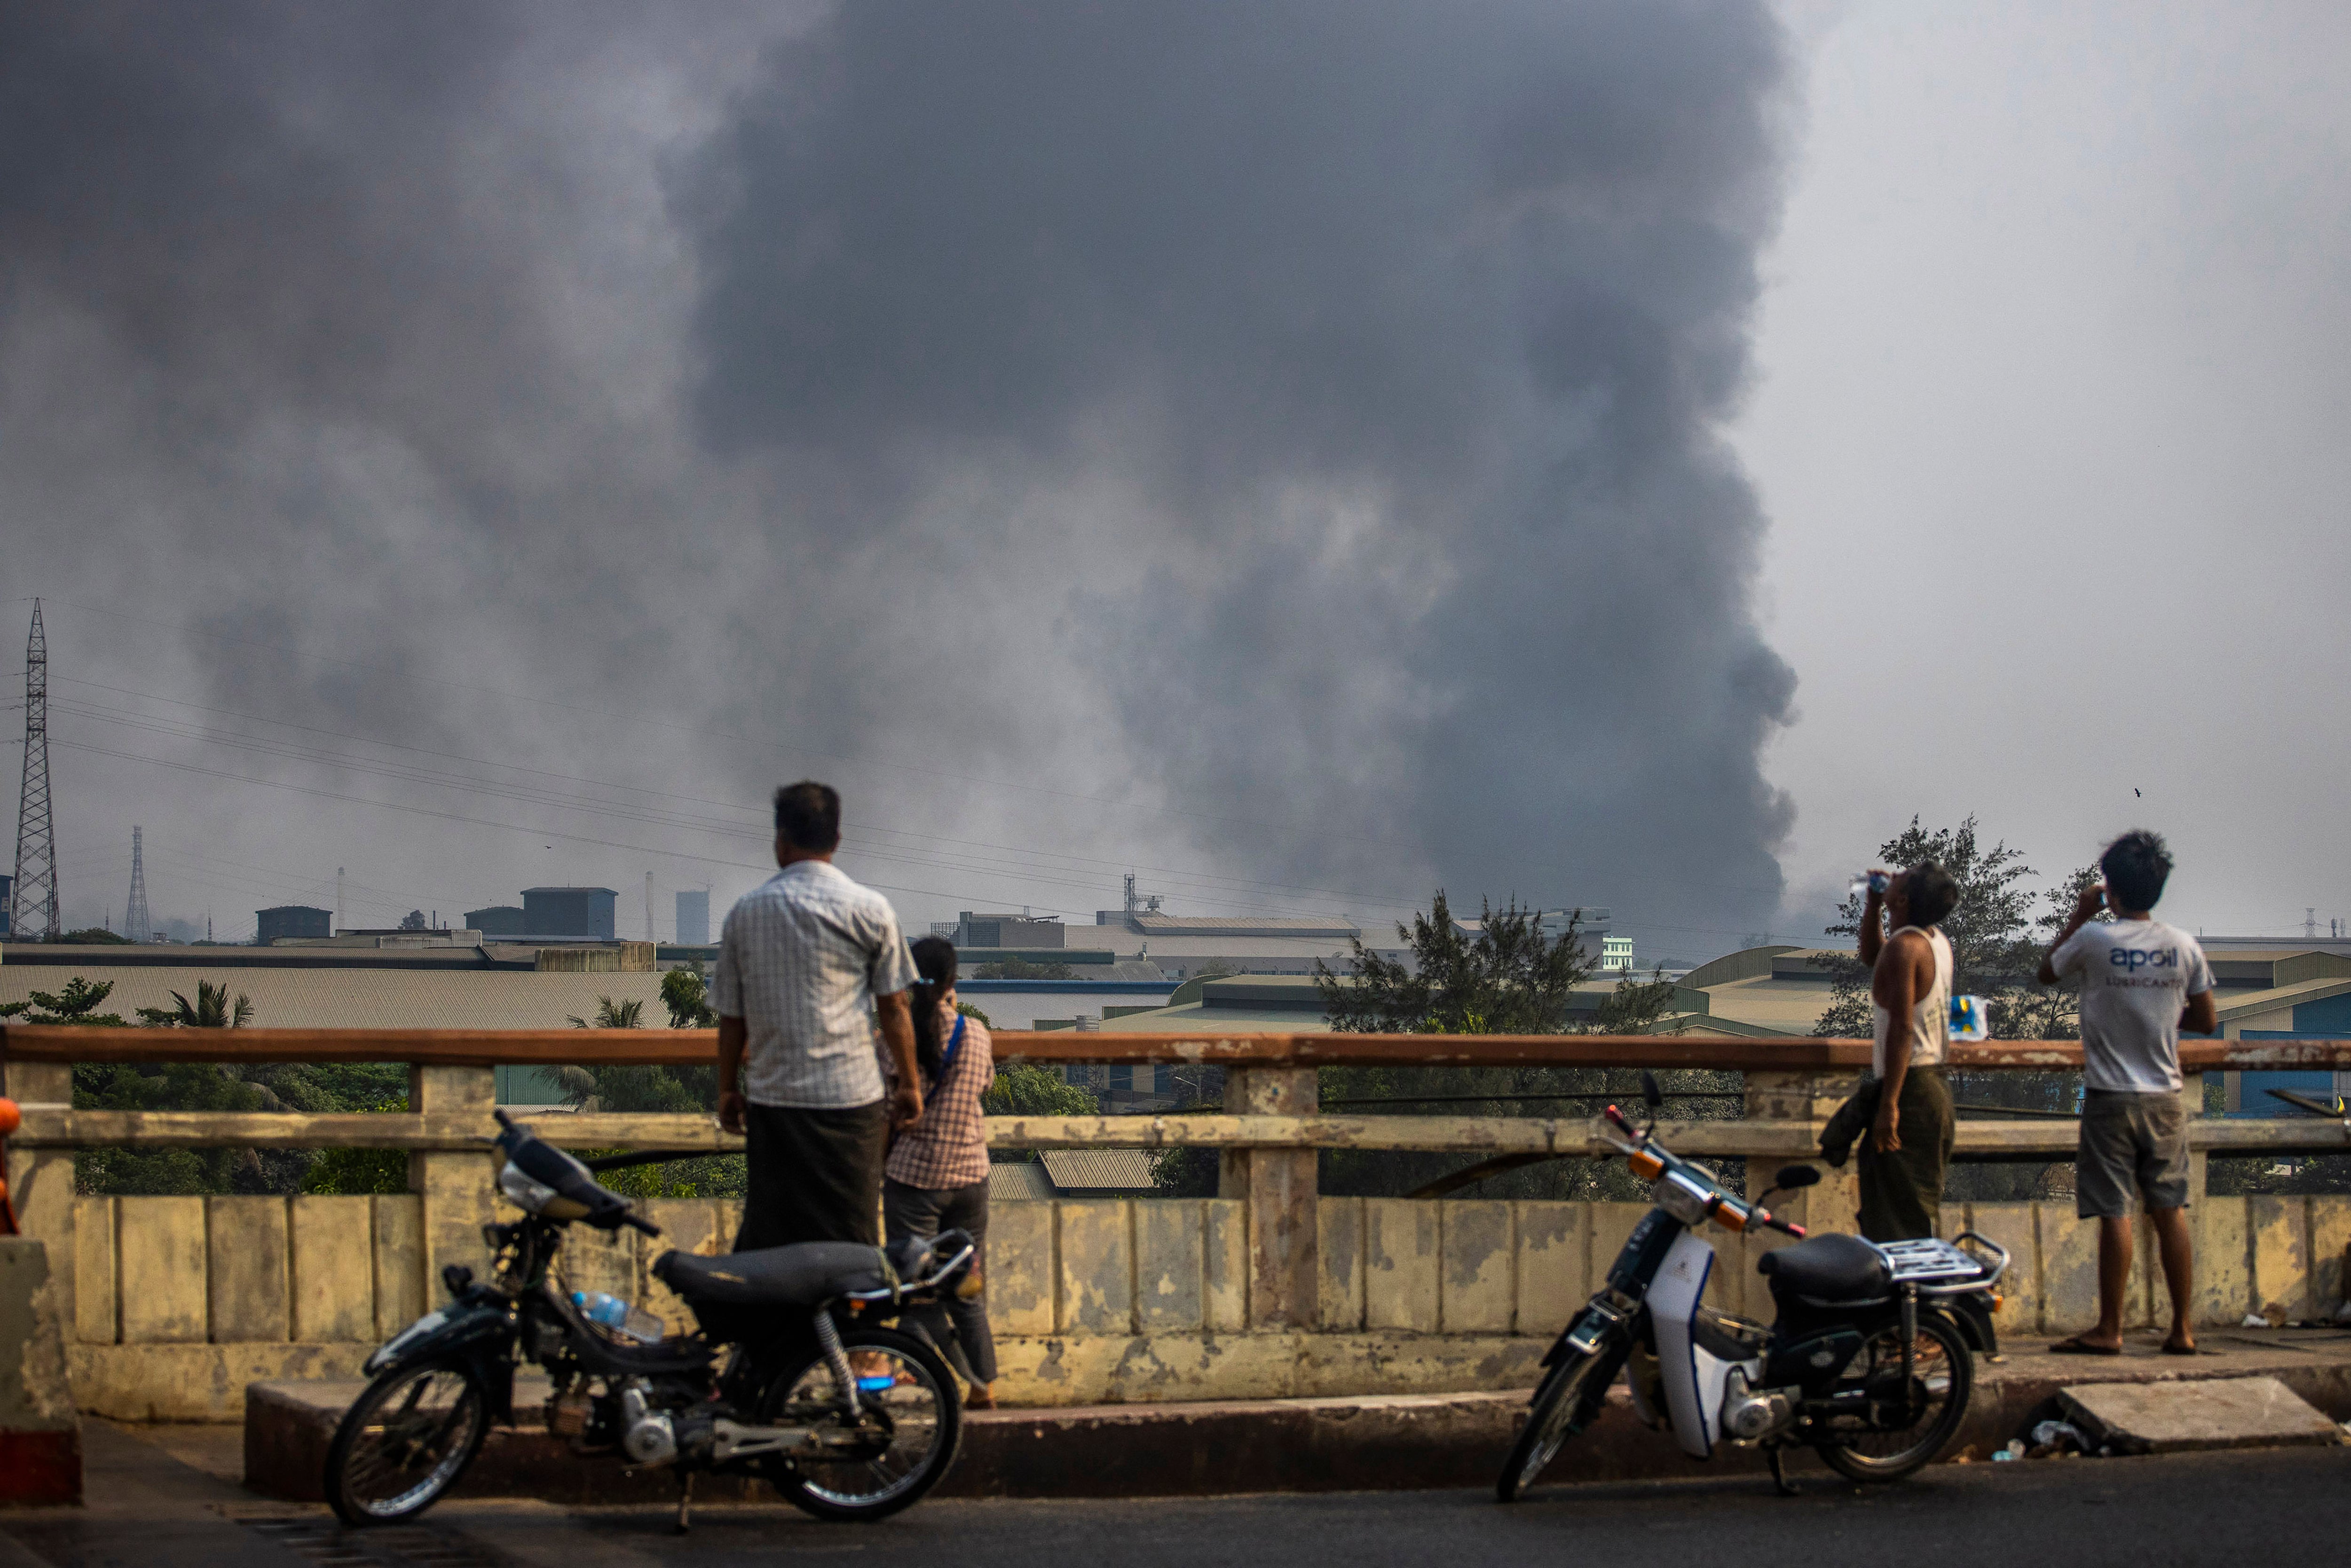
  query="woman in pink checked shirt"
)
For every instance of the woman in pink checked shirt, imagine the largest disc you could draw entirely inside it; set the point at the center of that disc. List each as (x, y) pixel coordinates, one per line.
(936, 1175)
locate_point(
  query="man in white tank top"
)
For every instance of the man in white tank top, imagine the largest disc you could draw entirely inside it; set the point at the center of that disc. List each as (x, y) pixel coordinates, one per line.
(1902, 1163)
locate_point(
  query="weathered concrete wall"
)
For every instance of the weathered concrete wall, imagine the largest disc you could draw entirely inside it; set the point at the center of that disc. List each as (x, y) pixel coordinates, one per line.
(40, 1436)
(183, 1301)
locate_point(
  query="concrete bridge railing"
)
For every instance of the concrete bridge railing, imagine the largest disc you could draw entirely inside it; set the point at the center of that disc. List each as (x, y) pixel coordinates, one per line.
(1270, 1288)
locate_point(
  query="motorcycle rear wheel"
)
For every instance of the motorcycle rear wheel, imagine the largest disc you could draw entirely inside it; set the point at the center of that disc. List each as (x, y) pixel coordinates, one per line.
(1550, 1422)
(405, 1442)
(1942, 1377)
(920, 1414)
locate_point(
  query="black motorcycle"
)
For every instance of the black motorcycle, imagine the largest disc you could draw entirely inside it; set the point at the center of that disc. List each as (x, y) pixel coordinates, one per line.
(1869, 1360)
(810, 1366)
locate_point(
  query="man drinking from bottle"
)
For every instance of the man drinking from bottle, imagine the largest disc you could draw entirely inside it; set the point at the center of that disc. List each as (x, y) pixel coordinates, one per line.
(1902, 1162)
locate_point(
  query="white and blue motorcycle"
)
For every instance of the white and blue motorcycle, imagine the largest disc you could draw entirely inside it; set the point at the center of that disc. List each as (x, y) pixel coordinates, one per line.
(1870, 1361)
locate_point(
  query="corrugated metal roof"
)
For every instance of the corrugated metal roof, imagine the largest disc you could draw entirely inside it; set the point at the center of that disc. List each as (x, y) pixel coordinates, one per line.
(368, 999)
(1023, 1183)
(1095, 1170)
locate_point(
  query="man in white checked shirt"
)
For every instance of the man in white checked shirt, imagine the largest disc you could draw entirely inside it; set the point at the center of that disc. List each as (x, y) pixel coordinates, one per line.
(805, 963)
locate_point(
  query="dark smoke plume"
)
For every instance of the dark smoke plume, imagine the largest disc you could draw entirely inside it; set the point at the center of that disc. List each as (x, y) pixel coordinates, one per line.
(1297, 421)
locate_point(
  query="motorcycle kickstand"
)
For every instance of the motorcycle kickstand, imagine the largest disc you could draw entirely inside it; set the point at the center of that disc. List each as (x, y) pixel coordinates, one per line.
(684, 1502)
(1780, 1480)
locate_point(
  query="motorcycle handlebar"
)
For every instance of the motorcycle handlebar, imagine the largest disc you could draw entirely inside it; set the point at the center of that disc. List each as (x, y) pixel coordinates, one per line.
(647, 1225)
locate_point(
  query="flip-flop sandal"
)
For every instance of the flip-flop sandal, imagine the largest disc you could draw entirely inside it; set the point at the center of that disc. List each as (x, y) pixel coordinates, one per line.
(2185, 1350)
(2077, 1345)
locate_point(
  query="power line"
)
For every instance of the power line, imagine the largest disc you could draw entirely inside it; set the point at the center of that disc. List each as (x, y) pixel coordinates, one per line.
(1213, 881)
(1237, 890)
(891, 764)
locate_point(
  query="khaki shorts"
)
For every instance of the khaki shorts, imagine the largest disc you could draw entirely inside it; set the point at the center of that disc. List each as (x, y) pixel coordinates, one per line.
(2130, 1141)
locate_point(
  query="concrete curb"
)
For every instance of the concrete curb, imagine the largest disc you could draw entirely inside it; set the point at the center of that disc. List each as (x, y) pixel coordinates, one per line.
(1391, 1442)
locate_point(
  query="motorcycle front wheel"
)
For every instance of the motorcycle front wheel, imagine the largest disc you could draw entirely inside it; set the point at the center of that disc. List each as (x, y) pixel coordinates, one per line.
(405, 1442)
(909, 1421)
(1941, 1378)
(1550, 1422)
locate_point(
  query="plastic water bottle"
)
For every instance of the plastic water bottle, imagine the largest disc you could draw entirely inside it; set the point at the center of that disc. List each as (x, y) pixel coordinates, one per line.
(602, 1307)
(1876, 881)
(1970, 1019)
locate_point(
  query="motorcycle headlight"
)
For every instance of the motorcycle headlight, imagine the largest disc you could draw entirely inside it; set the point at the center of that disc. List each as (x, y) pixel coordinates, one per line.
(1683, 1201)
(531, 1197)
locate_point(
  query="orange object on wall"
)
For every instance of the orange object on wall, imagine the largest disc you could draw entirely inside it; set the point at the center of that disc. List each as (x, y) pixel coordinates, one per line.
(10, 1120)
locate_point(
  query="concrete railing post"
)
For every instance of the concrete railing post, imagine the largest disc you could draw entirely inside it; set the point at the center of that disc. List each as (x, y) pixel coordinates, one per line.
(40, 1434)
(1806, 1096)
(41, 1181)
(1277, 1188)
(459, 1187)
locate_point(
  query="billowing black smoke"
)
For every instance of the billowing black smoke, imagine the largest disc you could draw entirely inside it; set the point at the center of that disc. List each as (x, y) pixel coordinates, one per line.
(1280, 437)
(1388, 345)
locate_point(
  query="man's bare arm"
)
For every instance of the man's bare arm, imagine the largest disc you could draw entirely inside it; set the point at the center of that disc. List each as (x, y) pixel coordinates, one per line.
(898, 1032)
(2199, 1016)
(2090, 899)
(1896, 988)
(732, 1036)
(1873, 925)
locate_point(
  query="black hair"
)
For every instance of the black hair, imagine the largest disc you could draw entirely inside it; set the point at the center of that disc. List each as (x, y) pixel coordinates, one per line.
(1932, 894)
(2136, 865)
(807, 816)
(935, 960)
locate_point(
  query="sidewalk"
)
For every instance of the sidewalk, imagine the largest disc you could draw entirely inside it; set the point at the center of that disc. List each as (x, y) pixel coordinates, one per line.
(1222, 1447)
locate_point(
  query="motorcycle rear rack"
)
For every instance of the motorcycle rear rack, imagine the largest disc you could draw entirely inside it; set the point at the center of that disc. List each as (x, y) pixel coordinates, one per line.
(1938, 1268)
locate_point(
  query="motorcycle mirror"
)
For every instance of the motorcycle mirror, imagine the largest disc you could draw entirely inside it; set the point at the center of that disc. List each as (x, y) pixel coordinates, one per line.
(1651, 1095)
(1792, 1177)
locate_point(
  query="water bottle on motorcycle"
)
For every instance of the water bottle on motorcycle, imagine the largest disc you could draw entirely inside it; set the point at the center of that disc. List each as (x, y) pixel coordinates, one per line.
(613, 1313)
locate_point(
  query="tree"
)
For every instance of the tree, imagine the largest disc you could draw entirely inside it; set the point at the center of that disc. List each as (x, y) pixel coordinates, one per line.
(204, 1086)
(99, 933)
(1991, 952)
(77, 1004)
(611, 1014)
(620, 1087)
(1027, 1090)
(1635, 1007)
(211, 1010)
(1021, 970)
(1510, 979)
(687, 998)
(413, 921)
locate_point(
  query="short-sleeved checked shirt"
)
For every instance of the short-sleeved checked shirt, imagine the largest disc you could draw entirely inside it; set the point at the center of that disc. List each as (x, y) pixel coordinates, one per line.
(801, 961)
(948, 1148)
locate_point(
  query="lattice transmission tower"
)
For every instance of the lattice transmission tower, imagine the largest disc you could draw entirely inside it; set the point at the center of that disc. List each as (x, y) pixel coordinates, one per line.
(33, 897)
(136, 926)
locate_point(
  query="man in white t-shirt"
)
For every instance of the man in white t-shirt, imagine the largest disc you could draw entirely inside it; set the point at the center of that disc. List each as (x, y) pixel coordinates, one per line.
(2142, 983)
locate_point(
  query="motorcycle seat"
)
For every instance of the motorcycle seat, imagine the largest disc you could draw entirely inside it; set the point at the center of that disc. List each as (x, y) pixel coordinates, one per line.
(1826, 1268)
(799, 1275)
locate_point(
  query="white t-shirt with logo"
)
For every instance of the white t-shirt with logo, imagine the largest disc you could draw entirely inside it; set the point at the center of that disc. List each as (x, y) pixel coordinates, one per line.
(2137, 976)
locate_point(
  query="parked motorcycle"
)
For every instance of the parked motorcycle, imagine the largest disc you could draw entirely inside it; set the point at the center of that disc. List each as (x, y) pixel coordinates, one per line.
(809, 1368)
(1870, 1361)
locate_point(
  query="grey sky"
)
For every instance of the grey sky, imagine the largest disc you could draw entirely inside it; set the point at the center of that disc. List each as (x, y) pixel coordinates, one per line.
(2055, 362)
(1296, 458)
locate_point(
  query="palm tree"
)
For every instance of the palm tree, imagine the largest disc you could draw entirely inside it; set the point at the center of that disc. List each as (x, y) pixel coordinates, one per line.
(611, 1014)
(211, 1010)
(579, 1083)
